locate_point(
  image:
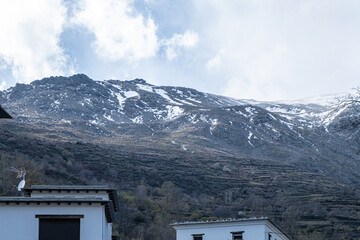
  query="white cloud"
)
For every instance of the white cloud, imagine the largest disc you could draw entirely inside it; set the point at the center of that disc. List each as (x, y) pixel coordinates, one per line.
(150, 1)
(120, 32)
(29, 38)
(260, 49)
(178, 42)
(2, 85)
(215, 62)
(279, 49)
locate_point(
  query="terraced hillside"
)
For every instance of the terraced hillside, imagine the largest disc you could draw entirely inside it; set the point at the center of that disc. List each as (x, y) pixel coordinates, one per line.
(296, 163)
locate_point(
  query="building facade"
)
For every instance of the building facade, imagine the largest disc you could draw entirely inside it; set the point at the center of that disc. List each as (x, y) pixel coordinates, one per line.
(58, 213)
(233, 229)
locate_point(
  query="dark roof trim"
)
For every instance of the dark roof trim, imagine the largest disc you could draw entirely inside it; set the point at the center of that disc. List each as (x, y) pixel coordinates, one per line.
(114, 198)
(109, 212)
(4, 114)
(69, 187)
(59, 216)
(77, 188)
(51, 200)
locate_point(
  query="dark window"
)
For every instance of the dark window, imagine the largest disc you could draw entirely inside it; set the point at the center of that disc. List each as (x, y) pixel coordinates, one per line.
(59, 229)
(197, 236)
(237, 235)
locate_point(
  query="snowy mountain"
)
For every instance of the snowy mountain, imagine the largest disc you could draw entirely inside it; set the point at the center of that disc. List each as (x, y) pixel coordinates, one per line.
(126, 131)
(300, 133)
(100, 102)
(79, 98)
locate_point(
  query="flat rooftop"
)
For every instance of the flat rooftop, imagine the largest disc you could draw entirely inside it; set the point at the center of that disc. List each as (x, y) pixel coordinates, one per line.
(70, 187)
(77, 188)
(229, 220)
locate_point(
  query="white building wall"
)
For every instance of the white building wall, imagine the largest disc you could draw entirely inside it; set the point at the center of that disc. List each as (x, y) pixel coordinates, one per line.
(275, 233)
(107, 227)
(220, 231)
(18, 222)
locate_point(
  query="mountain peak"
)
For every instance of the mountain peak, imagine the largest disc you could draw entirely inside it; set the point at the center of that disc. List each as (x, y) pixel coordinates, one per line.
(134, 81)
(139, 81)
(60, 80)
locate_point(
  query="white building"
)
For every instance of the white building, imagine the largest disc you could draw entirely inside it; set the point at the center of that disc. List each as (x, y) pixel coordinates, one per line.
(58, 213)
(234, 229)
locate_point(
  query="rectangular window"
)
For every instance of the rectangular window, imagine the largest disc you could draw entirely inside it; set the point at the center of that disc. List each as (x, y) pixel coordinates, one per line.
(197, 236)
(237, 235)
(52, 227)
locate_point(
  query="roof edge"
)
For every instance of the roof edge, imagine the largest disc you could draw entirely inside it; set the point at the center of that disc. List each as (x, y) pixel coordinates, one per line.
(230, 220)
(77, 188)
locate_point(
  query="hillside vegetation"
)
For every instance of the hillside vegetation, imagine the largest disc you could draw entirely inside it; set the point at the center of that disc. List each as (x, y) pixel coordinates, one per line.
(176, 154)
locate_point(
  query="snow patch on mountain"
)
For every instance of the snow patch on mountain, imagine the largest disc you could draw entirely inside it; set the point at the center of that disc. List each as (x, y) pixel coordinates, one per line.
(173, 112)
(164, 94)
(121, 100)
(252, 111)
(130, 94)
(213, 122)
(249, 138)
(184, 102)
(108, 117)
(241, 113)
(88, 101)
(192, 118)
(138, 120)
(146, 88)
(95, 121)
(65, 121)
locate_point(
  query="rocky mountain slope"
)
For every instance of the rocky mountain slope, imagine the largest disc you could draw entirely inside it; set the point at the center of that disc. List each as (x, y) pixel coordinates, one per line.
(125, 132)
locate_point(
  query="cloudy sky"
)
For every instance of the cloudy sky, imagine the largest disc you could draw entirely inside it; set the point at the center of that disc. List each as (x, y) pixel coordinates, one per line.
(260, 49)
